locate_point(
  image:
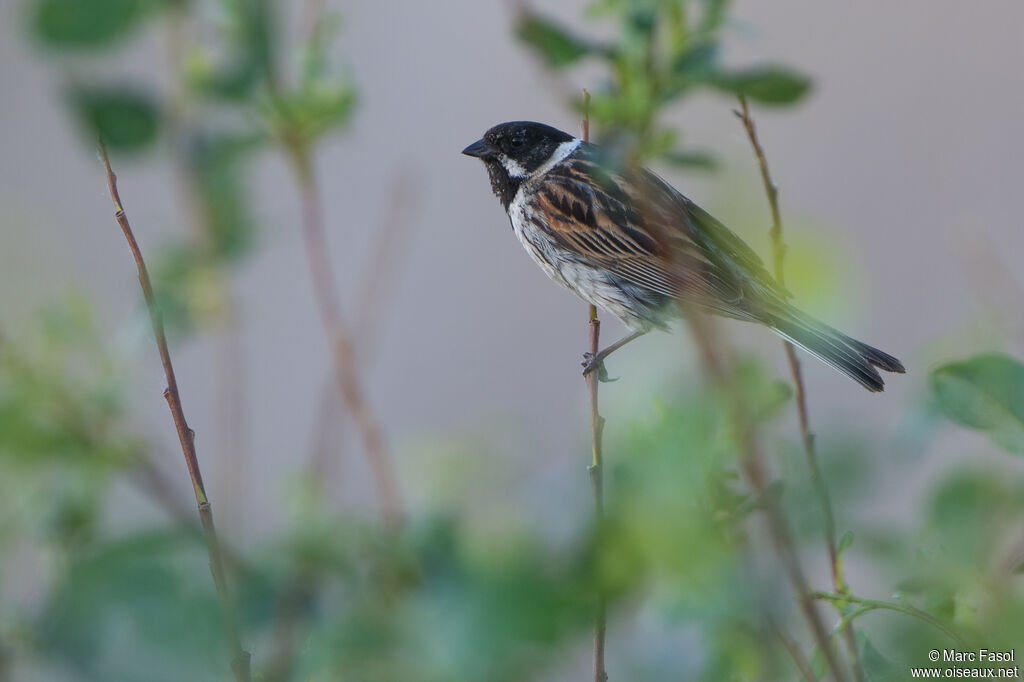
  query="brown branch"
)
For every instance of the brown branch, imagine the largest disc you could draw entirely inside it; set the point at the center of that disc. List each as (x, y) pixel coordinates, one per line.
(340, 340)
(785, 547)
(714, 357)
(151, 482)
(799, 660)
(327, 436)
(6, 662)
(374, 293)
(586, 116)
(231, 414)
(239, 657)
(596, 456)
(597, 486)
(800, 394)
(230, 389)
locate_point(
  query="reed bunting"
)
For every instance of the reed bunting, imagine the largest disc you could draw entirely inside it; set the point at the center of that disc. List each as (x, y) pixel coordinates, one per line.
(624, 240)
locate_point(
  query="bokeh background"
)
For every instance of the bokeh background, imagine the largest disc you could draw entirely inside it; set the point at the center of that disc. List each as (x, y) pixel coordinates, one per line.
(900, 179)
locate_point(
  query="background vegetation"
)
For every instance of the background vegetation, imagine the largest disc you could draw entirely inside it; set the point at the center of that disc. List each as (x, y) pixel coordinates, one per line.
(694, 554)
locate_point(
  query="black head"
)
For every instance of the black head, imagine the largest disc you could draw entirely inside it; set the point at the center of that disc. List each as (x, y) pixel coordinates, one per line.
(514, 151)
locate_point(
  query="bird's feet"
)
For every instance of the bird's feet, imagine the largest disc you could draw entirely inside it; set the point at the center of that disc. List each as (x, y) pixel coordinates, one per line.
(593, 363)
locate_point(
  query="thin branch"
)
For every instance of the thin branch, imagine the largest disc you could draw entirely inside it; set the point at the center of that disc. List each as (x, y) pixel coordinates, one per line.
(778, 260)
(229, 438)
(152, 483)
(239, 657)
(596, 456)
(785, 547)
(1012, 561)
(586, 116)
(340, 340)
(374, 293)
(799, 660)
(770, 189)
(326, 437)
(713, 356)
(800, 393)
(874, 604)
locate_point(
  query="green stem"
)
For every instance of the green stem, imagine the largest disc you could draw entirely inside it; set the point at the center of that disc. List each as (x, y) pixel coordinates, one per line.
(867, 605)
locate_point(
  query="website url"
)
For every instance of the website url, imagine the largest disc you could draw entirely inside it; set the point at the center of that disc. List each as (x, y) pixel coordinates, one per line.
(962, 673)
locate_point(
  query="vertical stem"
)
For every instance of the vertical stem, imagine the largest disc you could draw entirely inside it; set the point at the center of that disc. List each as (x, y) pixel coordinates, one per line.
(586, 119)
(596, 457)
(342, 346)
(799, 660)
(785, 547)
(230, 419)
(597, 486)
(709, 346)
(239, 657)
(800, 393)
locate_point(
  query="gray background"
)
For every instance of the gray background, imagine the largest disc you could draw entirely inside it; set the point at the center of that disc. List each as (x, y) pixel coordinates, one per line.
(901, 173)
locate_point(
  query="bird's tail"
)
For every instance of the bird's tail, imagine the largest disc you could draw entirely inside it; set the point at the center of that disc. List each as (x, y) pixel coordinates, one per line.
(856, 359)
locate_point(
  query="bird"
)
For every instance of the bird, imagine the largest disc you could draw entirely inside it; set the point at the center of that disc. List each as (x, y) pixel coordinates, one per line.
(626, 241)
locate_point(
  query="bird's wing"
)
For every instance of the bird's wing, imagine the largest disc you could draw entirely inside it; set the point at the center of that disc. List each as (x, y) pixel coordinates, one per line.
(639, 228)
(727, 250)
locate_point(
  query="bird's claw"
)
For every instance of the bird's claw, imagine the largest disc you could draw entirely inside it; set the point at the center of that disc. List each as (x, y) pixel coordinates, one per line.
(591, 363)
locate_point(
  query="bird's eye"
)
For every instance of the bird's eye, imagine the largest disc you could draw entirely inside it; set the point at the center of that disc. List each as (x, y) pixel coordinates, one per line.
(518, 140)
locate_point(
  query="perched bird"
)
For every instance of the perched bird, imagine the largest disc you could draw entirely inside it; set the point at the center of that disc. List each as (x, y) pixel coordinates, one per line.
(626, 241)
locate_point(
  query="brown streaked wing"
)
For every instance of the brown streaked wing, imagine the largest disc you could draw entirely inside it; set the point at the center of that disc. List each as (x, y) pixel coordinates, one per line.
(636, 227)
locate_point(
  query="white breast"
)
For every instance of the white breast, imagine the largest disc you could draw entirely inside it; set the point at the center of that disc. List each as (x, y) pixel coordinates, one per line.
(591, 284)
(541, 247)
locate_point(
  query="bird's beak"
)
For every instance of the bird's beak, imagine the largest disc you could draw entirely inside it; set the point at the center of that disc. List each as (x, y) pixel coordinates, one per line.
(478, 149)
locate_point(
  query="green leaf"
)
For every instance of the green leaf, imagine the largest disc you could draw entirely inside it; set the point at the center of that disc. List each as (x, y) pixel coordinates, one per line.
(971, 510)
(713, 17)
(77, 24)
(985, 392)
(554, 43)
(641, 19)
(245, 56)
(768, 84)
(132, 601)
(691, 159)
(765, 396)
(308, 114)
(819, 666)
(876, 667)
(845, 542)
(697, 61)
(217, 161)
(125, 119)
(693, 66)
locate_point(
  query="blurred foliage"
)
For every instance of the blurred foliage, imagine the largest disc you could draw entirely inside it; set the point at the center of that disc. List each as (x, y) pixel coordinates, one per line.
(230, 97)
(335, 597)
(81, 24)
(112, 613)
(126, 120)
(985, 392)
(243, 59)
(61, 436)
(663, 51)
